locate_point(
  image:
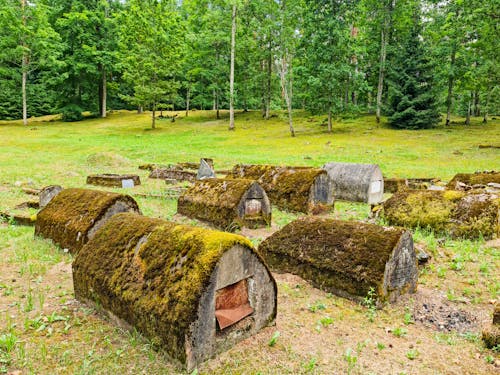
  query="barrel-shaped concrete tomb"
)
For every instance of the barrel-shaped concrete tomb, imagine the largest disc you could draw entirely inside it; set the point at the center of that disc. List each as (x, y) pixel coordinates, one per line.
(347, 258)
(193, 291)
(226, 203)
(296, 189)
(73, 216)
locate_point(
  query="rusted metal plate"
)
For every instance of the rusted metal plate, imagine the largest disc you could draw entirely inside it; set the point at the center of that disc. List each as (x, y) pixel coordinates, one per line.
(228, 317)
(232, 296)
(231, 304)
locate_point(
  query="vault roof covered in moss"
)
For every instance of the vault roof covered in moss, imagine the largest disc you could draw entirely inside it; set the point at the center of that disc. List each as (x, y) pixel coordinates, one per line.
(73, 212)
(151, 272)
(220, 192)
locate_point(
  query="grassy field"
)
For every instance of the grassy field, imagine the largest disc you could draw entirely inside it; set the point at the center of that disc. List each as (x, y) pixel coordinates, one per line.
(43, 330)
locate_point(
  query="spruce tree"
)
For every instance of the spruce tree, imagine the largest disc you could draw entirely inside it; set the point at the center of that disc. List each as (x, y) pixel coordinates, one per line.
(412, 100)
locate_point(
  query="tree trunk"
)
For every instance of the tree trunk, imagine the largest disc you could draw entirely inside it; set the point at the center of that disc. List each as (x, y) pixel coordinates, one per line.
(286, 88)
(486, 105)
(153, 116)
(269, 78)
(187, 100)
(217, 104)
(24, 68)
(329, 120)
(231, 73)
(140, 109)
(469, 109)
(381, 72)
(477, 106)
(25, 100)
(104, 93)
(451, 79)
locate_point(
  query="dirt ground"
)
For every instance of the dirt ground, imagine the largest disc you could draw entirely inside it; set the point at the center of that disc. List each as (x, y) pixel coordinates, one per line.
(423, 333)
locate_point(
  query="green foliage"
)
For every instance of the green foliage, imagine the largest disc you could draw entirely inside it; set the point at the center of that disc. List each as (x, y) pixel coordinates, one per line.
(151, 46)
(72, 112)
(370, 301)
(274, 339)
(412, 101)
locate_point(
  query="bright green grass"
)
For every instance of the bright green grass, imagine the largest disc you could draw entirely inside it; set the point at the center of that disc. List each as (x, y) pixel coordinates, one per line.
(56, 152)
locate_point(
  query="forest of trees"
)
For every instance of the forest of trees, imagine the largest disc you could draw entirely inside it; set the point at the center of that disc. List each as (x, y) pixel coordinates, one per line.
(332, 57)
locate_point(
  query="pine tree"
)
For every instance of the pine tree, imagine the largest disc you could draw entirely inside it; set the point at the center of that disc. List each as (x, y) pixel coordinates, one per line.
(412, 102)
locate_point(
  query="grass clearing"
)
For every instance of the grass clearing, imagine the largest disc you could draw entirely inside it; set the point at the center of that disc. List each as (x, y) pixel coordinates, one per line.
(44, 330)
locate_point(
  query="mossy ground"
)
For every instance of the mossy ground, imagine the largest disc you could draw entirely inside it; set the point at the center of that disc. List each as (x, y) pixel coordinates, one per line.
(50, 333)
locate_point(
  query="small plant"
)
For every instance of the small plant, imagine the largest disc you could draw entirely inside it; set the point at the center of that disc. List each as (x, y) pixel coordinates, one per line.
(29, 301)
(444, 338)
(450, 294)
(274, 339)
(351, 358)
(326, 321)
(408, 319)
(441, 272)
(470, 336)
(484, 268)
(489, 359)
(311, 364)
(316, 307)
(400, 332)
(8, 342)
(370, 301)
(412, 354)
(380, 346)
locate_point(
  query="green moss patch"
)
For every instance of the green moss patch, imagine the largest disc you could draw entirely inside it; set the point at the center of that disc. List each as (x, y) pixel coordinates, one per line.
(151, 273)
(451, 212)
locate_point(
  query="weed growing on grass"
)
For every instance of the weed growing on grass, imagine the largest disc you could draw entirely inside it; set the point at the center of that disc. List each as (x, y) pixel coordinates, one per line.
(8, 290)
(412, 354)
(471, 336)
(318, 305)
(445, 338)
(274, 339)
(370, 301)
(399, 332)
(408, 318)
(351, 358)
(8, 342)
(311, 364)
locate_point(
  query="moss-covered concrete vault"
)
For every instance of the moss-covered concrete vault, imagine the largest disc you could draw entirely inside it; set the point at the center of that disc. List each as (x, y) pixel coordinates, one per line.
(471, 179)
(72, 217)
(227, 204)
(345, 257)
(456, 213)
(193, 291)
(299, 189)
(114, 180)
(356, 182)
